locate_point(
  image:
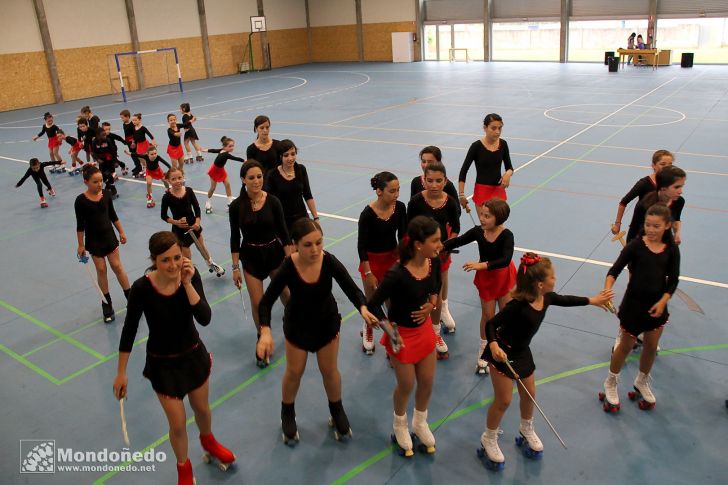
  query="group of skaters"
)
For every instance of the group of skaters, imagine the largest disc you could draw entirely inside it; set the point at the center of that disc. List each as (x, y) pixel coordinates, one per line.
(405, 253)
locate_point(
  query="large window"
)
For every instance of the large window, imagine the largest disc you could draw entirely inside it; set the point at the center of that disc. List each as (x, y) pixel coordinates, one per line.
(526, 41)
(439, 38)
(707, 38)
(589, 39)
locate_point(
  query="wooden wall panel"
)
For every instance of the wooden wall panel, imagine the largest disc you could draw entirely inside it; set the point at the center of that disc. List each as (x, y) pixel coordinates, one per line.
(288, 47)
(24, 81)
(335, 43)
(378, 39)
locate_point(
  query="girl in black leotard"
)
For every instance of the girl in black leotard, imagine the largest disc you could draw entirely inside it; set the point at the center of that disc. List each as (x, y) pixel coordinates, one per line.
(95, 223)
(509, 337)
(264, 149)
(171, 298)
(217, 172)
(51, 130)
(311, 321)
(37, 172)
(258, 217)
(190, 134)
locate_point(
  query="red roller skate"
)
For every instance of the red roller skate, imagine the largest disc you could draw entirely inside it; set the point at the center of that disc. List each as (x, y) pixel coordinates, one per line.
(184, 474)
(214, 451)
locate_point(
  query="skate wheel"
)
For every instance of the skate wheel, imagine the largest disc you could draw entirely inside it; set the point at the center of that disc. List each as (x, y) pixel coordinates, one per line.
(532, 454)
(428, 450)
(480, 452)
(206, 458)
(211, 270)
(495, 466)
(632, 395)
(223, 466)
(443, 356)
(519, 440)
(646, 406)
(602, 396)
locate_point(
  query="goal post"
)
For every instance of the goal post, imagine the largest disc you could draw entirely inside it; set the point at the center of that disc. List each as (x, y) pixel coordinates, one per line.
(162, 50)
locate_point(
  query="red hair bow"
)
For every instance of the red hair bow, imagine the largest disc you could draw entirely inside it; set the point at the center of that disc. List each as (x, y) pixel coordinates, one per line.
(529, 259)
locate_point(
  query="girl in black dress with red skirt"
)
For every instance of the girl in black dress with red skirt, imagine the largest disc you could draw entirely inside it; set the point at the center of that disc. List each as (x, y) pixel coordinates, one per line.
(95, 223)
(171, 298)
(217, 170)
(51, 130)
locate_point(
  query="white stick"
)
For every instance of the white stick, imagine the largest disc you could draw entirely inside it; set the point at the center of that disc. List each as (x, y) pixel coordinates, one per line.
(93, 280)
(123, 421)
(535, 403)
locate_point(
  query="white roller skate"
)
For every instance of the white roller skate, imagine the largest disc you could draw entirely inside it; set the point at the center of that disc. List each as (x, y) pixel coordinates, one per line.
(440, 345)
(367, 339)
(215, 268)
(482, 365)
(208, 207)
(643, 391)
(610, 396)
(489, 449)
(401, 436)
(529, 442)
(425, 438)
(150, 201)
(446, 318)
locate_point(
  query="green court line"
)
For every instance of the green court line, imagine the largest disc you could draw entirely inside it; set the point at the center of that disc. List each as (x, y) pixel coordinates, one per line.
(50, 329)
(29, 364)
(356, 470)
(70, 334)
(219, 401)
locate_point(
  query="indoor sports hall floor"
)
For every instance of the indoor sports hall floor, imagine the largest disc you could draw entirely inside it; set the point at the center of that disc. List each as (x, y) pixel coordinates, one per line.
(579, 137)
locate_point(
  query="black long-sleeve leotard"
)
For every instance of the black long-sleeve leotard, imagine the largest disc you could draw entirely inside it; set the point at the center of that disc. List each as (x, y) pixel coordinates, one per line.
(640, 212)
(186, 206)
(498, 254)
(487, 163)
(418, 185)
(187, 125)
(268, 158)
(311, 311)
(169, 318)
(37, 176)
(223, 156)
(291, 193)
(517, 323)
(140, 134)
(267, 224)
(95, 220)
(642, 187)
(153, 165)
(445, 215)
(51, 131)
(172, 134)
(651, 274)
(377, 235)
(405, 293)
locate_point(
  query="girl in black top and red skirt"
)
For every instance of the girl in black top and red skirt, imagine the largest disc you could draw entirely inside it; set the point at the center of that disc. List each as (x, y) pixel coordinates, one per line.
(509, 337)
(654, 263)
(412, 287)
(217, 170)
(95, 223)
(435, 203)
(51, 130)
(311, 321)
(154, 172)
(495, 273)
(258, 217)
(488, 153)
(382, 224)
(174, 147)
(171, 298)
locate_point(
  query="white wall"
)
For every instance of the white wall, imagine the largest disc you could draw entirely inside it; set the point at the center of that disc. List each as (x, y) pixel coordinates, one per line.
(285, 14)
(229, 16)
(323, 13)
(166, 19)
(81, 23)
(380, 11)
(20, 31)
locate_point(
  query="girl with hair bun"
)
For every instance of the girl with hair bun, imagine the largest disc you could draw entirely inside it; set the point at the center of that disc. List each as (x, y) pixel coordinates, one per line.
(217, 170)
(264, 149)
(382, 224)
(412, 287)
(509, 338)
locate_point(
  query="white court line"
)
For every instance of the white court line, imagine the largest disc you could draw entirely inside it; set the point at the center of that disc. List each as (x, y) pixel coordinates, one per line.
(591, 126)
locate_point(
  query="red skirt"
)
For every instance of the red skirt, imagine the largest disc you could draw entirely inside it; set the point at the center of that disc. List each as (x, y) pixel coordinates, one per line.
(77, 147)
(495, 284)
(54, 142)
(484, 193)
(175, 152)
(218, 174)
(157, 174)
(419, 342)
(142, 147)
(379, 264)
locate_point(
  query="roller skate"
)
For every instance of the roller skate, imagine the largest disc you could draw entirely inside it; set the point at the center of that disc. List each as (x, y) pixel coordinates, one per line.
(184, 474)
(215, 268)
(482, 365)
(440, 345)
(643, 391)
(107, 309)
(124, 171)
(367, 339)
(446, 318)
(529, 441)
(610, 396)
(261, 363)
(208, 207)
(188, 160)
(339, 421)
(490, 451)
(43, 203)
(150, 201)
(51, 192)
(288, 424)
(215, 452)
(198, 158)
(75, 171)
(114, 193)
(401, 436)
(423, 435)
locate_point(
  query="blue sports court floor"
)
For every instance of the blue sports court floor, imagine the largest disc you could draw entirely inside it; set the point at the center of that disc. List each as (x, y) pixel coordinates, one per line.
(579, 137)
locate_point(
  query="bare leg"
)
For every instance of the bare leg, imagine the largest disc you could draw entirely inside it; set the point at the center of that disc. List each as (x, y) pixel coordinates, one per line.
(405, 374)
(503, 390)
(118, 269)
(425, 374)
(649, 349)
(295, 366)
(200, 403)
(101, 277)
(328, 365)
(174, 409)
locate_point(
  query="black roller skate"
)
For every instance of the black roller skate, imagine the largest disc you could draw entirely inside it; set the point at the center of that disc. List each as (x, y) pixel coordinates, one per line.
(261, 363)
(107, 309)
(288, 424)
(339, 421)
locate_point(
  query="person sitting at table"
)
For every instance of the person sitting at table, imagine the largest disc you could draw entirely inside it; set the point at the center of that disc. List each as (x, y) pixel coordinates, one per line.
(640, 45)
